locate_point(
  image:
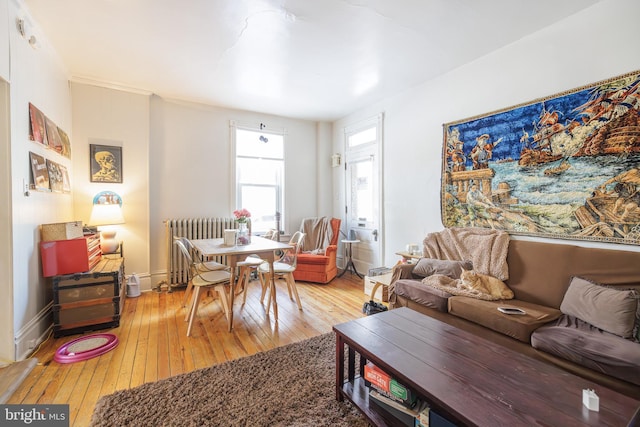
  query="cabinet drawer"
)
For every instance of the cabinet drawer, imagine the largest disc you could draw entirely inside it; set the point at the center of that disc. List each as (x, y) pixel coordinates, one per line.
(85, 314)
(60, 282)
(84, 293)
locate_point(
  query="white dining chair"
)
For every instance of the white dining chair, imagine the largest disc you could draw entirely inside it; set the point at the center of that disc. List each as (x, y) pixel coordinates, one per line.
(284, 268)
(219, 280)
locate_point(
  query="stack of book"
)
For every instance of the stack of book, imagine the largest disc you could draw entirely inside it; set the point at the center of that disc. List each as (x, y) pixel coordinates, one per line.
(379, 271)
(394, 398)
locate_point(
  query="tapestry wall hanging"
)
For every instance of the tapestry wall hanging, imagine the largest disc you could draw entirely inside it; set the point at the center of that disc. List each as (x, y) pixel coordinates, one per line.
(566, 166)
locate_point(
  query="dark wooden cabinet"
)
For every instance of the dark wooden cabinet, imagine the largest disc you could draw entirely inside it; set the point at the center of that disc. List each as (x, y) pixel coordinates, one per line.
(89, 301)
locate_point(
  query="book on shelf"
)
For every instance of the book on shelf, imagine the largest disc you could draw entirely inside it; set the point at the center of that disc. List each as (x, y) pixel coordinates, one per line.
(406, 416)
(376, 378)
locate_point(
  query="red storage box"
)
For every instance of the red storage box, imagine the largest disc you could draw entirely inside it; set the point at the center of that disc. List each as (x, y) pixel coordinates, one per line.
(64, 257)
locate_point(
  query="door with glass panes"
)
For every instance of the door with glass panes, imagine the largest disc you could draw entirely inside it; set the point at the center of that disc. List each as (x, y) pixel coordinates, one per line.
(363, 193)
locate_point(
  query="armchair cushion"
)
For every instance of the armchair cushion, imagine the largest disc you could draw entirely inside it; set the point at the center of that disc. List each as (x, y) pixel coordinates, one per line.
(316, 259)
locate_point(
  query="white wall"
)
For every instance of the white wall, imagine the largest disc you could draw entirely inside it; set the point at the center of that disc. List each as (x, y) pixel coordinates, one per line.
(4, 41)
(7, 352)
(36, 76)
(190, 172)
(569, 54)
(118, 118)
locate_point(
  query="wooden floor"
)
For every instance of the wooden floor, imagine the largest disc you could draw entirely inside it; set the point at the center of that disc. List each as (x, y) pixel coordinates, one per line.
(153, 343)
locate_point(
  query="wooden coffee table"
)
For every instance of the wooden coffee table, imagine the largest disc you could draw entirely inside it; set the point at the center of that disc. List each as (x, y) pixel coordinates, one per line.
(465, 378)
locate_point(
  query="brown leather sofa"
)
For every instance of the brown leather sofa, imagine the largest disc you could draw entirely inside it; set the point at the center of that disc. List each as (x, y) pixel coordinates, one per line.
(539, 275)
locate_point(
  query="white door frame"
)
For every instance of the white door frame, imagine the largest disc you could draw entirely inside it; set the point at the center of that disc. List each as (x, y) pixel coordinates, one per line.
(351, 154)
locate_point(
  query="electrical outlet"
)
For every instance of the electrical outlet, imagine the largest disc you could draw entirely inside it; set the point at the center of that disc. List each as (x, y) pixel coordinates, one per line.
(31, 344)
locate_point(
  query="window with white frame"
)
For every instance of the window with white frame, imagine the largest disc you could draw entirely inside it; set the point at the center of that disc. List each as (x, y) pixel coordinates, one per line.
(259, 169)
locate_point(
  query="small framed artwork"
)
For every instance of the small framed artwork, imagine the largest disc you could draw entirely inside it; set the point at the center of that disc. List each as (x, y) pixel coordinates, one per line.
(37, 130)
(55, 176)
(55, 142)
(105, 163)
(66, 144)
(66, 182)
(39, 171)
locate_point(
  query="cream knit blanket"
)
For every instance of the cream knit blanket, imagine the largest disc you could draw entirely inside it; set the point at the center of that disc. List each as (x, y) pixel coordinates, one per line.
(486, 248)
(318, 234)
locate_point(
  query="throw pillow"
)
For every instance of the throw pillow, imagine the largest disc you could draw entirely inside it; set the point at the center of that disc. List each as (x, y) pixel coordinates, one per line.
(429, 266)
(612, 310)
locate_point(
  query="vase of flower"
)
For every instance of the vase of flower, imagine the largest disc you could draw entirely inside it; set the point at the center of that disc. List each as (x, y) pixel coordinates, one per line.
(242, 217)
(244, 238)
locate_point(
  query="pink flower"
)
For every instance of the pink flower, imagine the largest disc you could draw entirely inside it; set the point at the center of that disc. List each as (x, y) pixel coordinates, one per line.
(242, 215)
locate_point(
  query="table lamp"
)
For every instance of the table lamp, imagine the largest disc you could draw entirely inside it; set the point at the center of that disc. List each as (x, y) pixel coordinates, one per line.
(107, 210)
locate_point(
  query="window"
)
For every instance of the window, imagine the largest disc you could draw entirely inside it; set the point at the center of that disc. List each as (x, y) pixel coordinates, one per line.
(362, 155)
(362, 137)
(260, 176)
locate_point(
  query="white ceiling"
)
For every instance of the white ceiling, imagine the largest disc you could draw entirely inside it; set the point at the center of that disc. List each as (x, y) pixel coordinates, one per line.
(309, 59)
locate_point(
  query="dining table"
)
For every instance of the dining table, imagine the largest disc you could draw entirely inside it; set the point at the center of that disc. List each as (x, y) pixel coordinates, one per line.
(259, 246)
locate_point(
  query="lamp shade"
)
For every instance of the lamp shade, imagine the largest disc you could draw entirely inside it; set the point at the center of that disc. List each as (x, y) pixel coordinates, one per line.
(107, 209)
(106, 215)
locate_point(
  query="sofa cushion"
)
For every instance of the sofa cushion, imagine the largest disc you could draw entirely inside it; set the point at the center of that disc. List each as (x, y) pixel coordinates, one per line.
(486, 313)
(422, 294)
(612, 310)
(430, 266)
(575, 340)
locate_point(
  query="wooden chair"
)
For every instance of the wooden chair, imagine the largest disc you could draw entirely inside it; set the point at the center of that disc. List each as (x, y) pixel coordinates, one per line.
(284, 268)
(201, 266)
(251, 264)
(219, 280)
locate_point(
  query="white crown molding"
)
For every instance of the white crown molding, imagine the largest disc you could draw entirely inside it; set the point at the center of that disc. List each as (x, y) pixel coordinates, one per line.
(109, 85)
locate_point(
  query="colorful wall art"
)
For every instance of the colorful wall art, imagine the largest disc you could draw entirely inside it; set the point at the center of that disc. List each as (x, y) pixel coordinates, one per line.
(566, 166)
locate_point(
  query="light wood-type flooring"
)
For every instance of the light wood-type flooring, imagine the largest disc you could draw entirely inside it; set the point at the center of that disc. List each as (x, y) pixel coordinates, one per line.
(153, 344)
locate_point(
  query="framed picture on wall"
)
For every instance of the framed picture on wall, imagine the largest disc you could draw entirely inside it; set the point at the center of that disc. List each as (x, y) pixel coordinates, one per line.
(105, 163)
(39, 171)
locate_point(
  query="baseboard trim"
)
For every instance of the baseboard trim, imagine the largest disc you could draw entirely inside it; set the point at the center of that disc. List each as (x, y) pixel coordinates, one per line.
(33, 333)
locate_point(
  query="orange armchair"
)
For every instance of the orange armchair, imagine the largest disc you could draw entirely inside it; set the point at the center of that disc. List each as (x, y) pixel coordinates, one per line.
(318, 268)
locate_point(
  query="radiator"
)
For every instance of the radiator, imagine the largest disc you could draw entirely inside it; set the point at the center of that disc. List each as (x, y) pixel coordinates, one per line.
(191, 228)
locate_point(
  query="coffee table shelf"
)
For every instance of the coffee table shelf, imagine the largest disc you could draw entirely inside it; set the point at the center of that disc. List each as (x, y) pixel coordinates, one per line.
(465, 378)
(358, 393)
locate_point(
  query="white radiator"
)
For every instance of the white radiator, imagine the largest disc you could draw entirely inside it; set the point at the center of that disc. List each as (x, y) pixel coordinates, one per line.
(191, 228)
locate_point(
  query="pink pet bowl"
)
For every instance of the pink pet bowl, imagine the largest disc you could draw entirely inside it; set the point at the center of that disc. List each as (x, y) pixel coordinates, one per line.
(86, 347)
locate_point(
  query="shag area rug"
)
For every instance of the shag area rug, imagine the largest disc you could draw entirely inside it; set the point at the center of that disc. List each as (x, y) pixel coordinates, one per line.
(293, 385)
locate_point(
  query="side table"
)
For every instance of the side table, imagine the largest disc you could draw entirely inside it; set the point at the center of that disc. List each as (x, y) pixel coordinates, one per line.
(349, 254)
(377, 284)
(410, 257)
